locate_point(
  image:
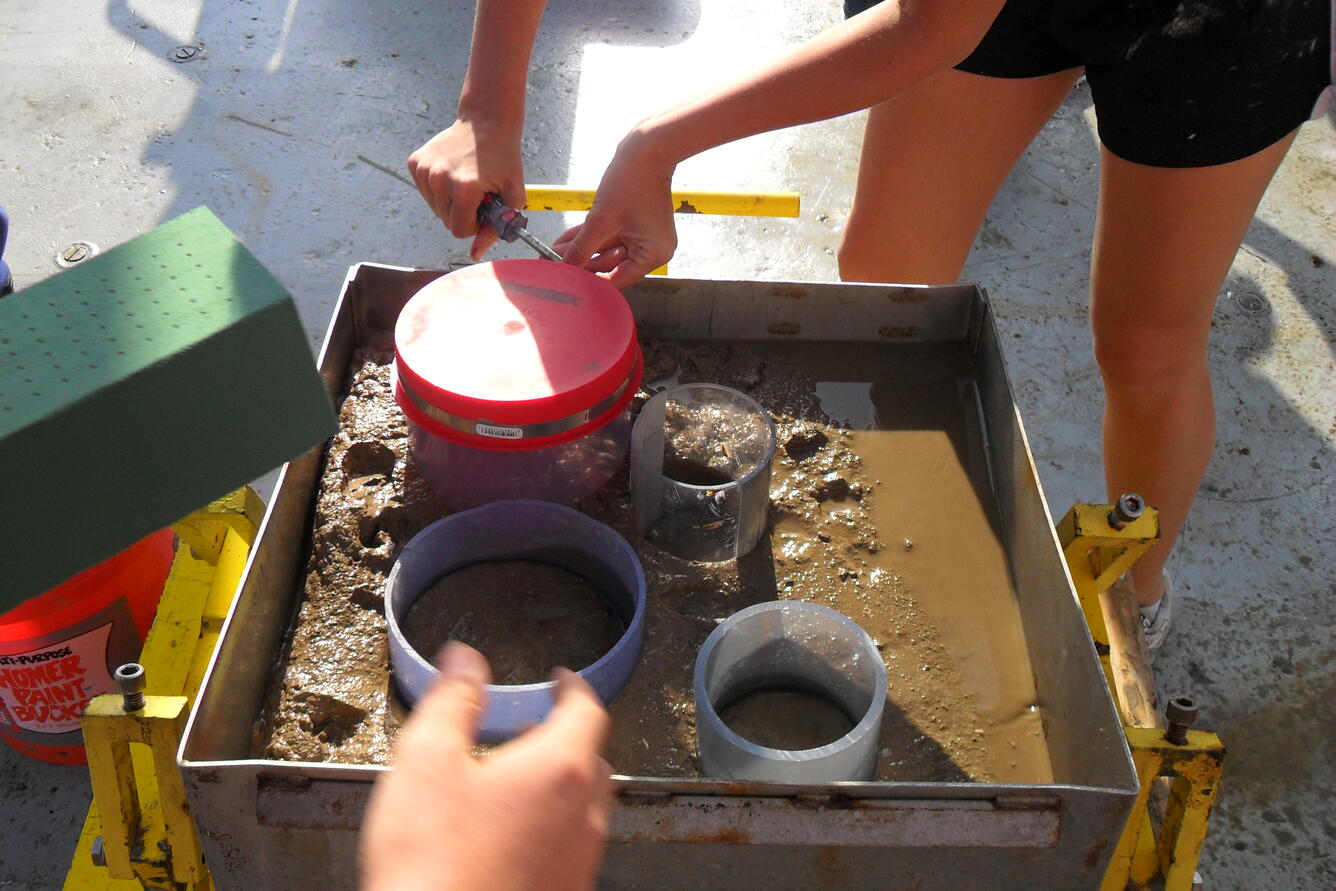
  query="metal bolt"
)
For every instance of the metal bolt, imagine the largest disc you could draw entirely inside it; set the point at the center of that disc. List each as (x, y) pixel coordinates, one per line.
(1128, 508)
(130, 684)
(183, 53)
(98, 852)
(1182, 714)
(76, 252)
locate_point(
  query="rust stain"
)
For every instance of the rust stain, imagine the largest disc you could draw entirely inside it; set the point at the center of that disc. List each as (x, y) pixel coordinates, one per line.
(724, 836)
(908, 296)
(834, 874)
(899, 332)
(745, 788)
(728, 836)
(1203, 769)
(829, 802)
(1096, 851)
(793, 293)
(784, 328)
(686, 207)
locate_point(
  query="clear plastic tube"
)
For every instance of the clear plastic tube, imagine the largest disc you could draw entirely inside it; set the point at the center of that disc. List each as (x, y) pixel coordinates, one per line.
(789, 645)
(700, 471)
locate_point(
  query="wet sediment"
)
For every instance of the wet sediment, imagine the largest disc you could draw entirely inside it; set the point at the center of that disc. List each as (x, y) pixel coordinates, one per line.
(562, 618)
(892, 526)
(786, 719)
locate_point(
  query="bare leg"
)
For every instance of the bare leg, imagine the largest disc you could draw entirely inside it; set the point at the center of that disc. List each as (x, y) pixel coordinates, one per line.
(933, 158)
(1164, 240)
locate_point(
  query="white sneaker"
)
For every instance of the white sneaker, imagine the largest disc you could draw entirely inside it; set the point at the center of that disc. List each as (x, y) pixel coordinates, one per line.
(1157, 629)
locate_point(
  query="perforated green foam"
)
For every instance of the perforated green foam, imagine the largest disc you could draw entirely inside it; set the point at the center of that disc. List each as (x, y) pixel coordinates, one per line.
(137, 387)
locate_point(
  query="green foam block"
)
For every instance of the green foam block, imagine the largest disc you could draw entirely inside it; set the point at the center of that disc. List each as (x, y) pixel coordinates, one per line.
(139, 386)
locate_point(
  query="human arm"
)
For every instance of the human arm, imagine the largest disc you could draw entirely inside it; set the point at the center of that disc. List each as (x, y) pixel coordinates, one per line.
(480, 151)
(859, 63)
(532, 813)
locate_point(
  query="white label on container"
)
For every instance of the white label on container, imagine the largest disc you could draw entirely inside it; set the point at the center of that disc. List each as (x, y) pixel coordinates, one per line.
(45, 690)
(499, 432)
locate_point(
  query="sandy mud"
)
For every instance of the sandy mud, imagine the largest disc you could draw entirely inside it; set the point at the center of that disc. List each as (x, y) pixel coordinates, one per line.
(878, 509)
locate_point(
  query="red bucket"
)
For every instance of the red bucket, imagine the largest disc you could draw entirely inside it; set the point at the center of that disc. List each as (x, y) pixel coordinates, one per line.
(58, 649)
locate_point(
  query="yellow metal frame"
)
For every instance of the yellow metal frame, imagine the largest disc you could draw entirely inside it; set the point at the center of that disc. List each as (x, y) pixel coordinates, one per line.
(153, 843)
(1194, 770)
(738, 204)
(109, 731)
(132, 757)
(1097, 555)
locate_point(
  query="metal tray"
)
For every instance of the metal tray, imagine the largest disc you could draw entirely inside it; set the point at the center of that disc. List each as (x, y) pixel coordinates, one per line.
(272, 824)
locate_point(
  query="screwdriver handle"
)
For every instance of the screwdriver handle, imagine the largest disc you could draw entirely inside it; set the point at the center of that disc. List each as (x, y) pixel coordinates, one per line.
(505, 221)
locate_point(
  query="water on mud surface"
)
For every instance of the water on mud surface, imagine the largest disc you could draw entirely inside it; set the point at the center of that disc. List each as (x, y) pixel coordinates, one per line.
(895, 527)
(919, 437)
(786, 719)
(694, 473)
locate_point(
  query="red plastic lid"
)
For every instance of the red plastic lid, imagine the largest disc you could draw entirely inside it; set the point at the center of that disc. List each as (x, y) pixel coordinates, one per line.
(514, 351)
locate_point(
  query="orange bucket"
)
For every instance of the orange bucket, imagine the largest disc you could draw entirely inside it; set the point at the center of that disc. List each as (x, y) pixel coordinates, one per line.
(58, 650)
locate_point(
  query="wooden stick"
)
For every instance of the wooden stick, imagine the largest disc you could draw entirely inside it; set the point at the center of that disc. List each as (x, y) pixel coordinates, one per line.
(1132, 671)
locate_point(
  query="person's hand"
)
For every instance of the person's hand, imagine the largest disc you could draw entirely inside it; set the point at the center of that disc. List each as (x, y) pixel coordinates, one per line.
(532, 813)
(630, 229)
(461, 164)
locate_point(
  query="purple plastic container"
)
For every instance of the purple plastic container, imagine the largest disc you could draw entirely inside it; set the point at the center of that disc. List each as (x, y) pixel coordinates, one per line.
(519, 530)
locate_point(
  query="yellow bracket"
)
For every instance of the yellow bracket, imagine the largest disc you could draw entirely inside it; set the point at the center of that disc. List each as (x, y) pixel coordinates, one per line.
(1097, 555)
(137, 786)
(1194, 770)
(738, 204)
(205, 530)
(108, 733)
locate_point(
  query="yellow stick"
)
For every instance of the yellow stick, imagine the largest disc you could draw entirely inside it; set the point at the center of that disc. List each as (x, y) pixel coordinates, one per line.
(738, 204)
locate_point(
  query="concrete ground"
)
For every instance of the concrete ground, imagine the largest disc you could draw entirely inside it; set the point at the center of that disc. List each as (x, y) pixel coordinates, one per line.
(293, 119)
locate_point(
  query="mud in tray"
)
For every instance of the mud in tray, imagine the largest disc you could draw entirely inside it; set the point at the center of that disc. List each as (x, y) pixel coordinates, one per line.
(904, 496)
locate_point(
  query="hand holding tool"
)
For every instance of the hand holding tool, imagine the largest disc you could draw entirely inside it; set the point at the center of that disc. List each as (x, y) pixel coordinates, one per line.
(510, 224)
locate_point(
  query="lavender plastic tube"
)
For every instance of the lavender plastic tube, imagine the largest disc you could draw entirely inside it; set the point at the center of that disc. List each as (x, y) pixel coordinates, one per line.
(518, 530)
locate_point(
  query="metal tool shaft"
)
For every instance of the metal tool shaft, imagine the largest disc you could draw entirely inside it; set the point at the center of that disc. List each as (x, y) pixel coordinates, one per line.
(539, 246)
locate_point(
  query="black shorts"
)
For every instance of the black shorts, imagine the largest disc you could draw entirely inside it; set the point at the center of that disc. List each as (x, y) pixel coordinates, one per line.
(1176, 83)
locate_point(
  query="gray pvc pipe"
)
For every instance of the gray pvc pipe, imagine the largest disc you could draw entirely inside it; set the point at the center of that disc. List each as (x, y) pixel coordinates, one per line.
(789, 644)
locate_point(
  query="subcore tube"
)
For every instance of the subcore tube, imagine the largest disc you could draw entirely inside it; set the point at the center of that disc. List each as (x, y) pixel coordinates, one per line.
(701, 456)
(518, 530)
(789, 645)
